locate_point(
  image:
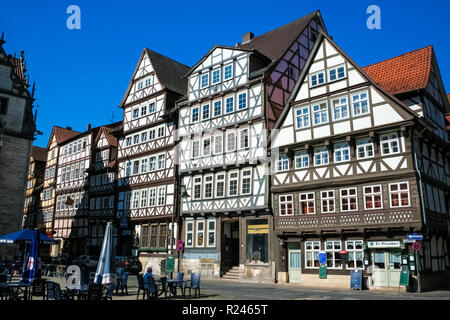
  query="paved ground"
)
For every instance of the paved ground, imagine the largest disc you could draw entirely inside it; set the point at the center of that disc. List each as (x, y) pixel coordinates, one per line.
(230, 290)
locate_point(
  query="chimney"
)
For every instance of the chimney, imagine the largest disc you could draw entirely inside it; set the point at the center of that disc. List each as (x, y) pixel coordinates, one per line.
(88, 127)
(69, 128)
(247, 37)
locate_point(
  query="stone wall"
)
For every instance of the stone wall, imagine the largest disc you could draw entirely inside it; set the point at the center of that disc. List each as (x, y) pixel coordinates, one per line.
(14, 159)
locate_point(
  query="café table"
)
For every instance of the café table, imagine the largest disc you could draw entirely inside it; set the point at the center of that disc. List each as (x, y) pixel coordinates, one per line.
(81, 293)
(171, 285)
(17, 287)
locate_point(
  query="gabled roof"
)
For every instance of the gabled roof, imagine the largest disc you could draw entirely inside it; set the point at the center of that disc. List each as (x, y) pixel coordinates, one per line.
(168, 71)
(39, 154)
(61, 135)
(273, 44)
(108, 132)
(404, 73)
(322, 36)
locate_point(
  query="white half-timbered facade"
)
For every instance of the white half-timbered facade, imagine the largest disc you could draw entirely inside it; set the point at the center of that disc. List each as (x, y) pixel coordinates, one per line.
(344, 175)
(146, 155)
(222, 152)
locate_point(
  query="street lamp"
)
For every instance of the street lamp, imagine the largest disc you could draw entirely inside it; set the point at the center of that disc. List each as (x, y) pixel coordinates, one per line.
(184, 195)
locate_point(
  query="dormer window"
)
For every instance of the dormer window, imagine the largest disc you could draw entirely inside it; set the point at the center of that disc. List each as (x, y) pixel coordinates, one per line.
(216, 76)
(205, 80)
(317, 79)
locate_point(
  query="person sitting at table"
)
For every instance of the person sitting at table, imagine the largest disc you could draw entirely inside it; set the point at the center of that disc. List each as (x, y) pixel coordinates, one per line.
(148, 274)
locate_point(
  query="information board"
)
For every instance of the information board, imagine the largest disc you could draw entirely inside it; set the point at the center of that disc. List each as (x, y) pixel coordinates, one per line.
(323, 271)
(170, 264)
(404, 276)
(322, 257)
(356, 276)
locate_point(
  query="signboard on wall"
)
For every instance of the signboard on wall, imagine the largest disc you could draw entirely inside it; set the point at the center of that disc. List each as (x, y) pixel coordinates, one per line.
(258, 229)
(384, 244)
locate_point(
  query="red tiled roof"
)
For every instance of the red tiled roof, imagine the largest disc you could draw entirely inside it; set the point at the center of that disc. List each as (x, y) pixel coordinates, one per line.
(407, 72)
(39, 154)
(62, 134)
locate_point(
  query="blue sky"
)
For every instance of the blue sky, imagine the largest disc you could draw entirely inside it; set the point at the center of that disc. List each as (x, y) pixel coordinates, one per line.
(81, 75)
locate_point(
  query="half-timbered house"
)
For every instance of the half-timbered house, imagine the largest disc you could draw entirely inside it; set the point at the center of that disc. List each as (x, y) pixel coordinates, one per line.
(235, 94)
(102, 188)
(57, 137)
(349, 182)
(146, 156)
(32, 210)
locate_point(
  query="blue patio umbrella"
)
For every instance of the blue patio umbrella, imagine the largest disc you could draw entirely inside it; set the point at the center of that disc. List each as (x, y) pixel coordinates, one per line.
(26, 235)
(32, 263)
(106, 270)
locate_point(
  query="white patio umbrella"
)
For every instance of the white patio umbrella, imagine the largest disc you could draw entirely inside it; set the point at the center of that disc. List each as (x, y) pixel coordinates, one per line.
(106, 270)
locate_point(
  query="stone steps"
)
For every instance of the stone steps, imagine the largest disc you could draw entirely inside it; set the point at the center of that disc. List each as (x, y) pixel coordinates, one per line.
(232, 274)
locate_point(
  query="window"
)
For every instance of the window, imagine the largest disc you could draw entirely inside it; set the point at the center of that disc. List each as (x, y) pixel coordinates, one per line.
(301, 159)
(161, 195)
(286, 205)
(128, 141)
(3, 105)
(152, 197)
(148, 82)
(136, 167)
(216, 76)
(220, 185)
(197, 194)
(140, 85)
(229, 105)
(195, 116)
(205, 112)
(144, 195)
(144, 136)
(228, 72)
(341, 152)
(205, 80)
(217, 108)
(231, 141)
(195, 148)
(364, 148)
(232, 183)
(320, 114)
(355, 254)
(372, 197)
(257, 241)
(302, 117)
(349, 199)
(283, 163)
(143, 110)
(312, 249)
(162, 241)
(128, 169)
(200, 233)
(161, 131)
(244, 138)
(218, 144)
(242, 102)
(135, 202)
(320, 156)
(136, 139)
(208, 187)
(307, 204)
(360, 103)
(153, 235)
(151, 134)
(152, 164)
(332, 249)
(151, 107)
(399, 194)
(246, 180)
(211, 233)
(189, 234)
(327, 199)
(135, 113)
(339, 108)
(336, 73)
(206, 146)
(389, 144)
(161, 161)
(317, 79)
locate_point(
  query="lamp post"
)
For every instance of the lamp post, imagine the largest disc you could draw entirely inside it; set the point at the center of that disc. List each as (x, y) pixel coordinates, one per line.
(184, 195)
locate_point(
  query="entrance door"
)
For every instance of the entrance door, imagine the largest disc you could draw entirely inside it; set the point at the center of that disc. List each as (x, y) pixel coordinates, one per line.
(230, 246)
(387, 268)
(294, 265)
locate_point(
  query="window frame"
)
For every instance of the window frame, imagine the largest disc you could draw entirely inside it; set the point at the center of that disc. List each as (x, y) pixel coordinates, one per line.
(225, 71)
(316, 74)
(348, 196)
(320, 151)
(326, 199)
(200, 231)
(285, 202)
(399, 191)
(204, 75)
(302, 117)
(313, 200)
(337, 73)
(365, 146)
(250, 177)
(232, 180)
(359, 93)
(372, 195)
(341, 147)
(211, 183)
(339, 106)
(389, 141)
(321, 111)
(245, 104)
(213, 231)
(187, 233)
(197, 108)
(195, 184)
(313, 253)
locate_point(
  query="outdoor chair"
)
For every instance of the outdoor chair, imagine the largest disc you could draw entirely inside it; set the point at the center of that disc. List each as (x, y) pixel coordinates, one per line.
(163, 281)
(179, 283)
(152, 288)
(109, 291)
(194, 283)
(95, 291)
(142, 285)
(51, 270)
(37, 288)
(54, 292)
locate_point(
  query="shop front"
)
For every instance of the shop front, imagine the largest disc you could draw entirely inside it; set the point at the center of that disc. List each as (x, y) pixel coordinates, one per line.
(386, 262)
